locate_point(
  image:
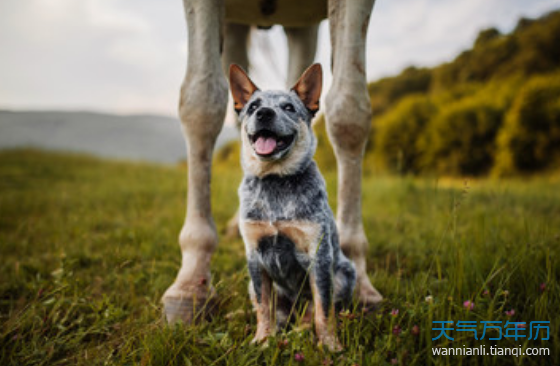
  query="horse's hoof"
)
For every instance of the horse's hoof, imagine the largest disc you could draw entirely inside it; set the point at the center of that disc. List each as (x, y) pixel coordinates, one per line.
(188, 309)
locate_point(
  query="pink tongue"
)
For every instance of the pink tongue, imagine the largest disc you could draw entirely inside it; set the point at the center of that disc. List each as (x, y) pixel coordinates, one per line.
(264, 145)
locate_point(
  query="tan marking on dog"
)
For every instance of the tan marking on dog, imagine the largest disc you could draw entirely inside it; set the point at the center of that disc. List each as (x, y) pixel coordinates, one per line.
(253, 231)
(324, 322)
(286, 166)
(304, 234)
(264, 327)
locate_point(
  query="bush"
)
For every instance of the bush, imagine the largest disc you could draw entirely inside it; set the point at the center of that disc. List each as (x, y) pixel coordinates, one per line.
(530, 138)
(397, 133)
(461, 139)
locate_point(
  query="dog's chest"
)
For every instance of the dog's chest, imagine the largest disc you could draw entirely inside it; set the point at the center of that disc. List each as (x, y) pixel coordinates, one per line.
(304, 235)
(282, 248)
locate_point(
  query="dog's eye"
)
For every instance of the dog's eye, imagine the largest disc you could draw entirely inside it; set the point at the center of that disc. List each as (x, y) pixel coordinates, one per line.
(252, 108)
(288, 107)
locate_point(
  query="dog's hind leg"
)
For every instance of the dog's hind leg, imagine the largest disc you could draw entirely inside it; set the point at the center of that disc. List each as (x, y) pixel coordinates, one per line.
(202, 109)
(344, 284)
(348, 114)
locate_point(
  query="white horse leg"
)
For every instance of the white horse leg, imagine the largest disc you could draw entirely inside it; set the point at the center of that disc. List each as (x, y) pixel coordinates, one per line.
(235, 46)
(302, 47)
(202, 109)
(235, 52)
(348, 114)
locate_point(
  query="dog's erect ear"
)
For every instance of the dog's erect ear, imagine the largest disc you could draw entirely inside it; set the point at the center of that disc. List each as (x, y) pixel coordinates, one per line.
(309, 86)
(241, 87)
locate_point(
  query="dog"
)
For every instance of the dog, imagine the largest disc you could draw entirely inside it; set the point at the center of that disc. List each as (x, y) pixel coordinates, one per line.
(288, 228)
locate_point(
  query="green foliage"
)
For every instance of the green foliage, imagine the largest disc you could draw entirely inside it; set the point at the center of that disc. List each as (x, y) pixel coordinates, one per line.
(460, 140)
(88, 247)
(469, 98)
(398, 131)
(386, 91)
(530, 139)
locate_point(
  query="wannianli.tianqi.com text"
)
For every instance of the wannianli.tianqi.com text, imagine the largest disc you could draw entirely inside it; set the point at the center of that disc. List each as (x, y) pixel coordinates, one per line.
(482, 350)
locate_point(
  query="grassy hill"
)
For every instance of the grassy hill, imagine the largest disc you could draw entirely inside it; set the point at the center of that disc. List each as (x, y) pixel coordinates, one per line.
(88, 247)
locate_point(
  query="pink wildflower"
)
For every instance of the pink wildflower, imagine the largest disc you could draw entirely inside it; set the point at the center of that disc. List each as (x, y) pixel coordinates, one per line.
(299, 357)
(510, 313)
(469, 305)
(394, 313)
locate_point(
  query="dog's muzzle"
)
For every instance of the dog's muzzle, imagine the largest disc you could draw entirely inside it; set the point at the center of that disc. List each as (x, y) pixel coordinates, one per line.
(267, 144)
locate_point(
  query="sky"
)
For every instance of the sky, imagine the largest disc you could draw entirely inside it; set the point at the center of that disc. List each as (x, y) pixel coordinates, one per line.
(129, 57)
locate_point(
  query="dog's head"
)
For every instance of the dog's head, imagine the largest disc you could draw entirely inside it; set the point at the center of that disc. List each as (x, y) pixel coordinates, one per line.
(276, 125)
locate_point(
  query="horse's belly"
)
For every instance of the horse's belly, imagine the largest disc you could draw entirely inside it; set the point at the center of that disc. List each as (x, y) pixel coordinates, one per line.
(291, 13)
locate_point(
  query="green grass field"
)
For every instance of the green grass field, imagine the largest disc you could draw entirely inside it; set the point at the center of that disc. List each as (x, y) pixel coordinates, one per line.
(88, 247)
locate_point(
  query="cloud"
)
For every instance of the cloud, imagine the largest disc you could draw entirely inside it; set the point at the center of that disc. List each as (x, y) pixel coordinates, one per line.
(91, 54)
(130, 56)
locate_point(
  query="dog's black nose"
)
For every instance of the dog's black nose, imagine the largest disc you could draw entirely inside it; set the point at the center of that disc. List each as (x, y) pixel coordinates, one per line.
(265, 114)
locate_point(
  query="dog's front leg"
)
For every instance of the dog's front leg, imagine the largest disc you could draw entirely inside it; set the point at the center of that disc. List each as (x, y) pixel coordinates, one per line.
(321, 281)
(260, 291)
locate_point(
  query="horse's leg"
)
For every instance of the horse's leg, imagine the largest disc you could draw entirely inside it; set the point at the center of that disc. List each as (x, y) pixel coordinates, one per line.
(235, 52)
(235, 46)
(348, 114)
(202, 109)
(302, 47)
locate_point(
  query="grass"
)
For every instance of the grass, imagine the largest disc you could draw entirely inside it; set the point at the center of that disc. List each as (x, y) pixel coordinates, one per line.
(89, 246)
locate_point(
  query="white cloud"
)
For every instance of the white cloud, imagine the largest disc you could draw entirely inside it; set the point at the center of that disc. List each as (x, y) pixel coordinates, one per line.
(124, 56)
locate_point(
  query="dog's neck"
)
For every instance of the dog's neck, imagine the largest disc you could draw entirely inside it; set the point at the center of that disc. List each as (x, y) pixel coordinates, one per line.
(305, 166)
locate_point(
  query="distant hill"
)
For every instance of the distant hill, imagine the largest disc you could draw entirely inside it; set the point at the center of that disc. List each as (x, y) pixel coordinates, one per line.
(136, 137)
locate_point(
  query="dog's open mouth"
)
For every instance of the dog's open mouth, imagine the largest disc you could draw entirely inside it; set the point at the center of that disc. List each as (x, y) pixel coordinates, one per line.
(267, 143)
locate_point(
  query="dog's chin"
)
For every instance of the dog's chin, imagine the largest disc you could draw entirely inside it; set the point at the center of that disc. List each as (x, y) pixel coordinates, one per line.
(274, 147)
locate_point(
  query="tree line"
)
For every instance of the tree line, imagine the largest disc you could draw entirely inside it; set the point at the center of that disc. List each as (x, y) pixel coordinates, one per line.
(495, 109)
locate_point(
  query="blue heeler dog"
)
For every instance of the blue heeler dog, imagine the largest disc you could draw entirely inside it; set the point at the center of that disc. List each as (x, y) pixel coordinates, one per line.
(289, 230)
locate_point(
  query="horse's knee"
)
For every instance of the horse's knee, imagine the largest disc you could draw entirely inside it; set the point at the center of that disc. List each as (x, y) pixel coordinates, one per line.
(348, 116)
(202, 106)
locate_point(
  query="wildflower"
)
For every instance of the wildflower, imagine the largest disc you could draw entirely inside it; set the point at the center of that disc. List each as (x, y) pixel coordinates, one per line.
(542, 287)
(510, 313)
(283, 343)
(486, 293)
(299, 357)
(394, 361)
(469, 305)
(327, 362)
(397, 330)
(394, 313)
(520, 325)
(429, 299)
(415, 330)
